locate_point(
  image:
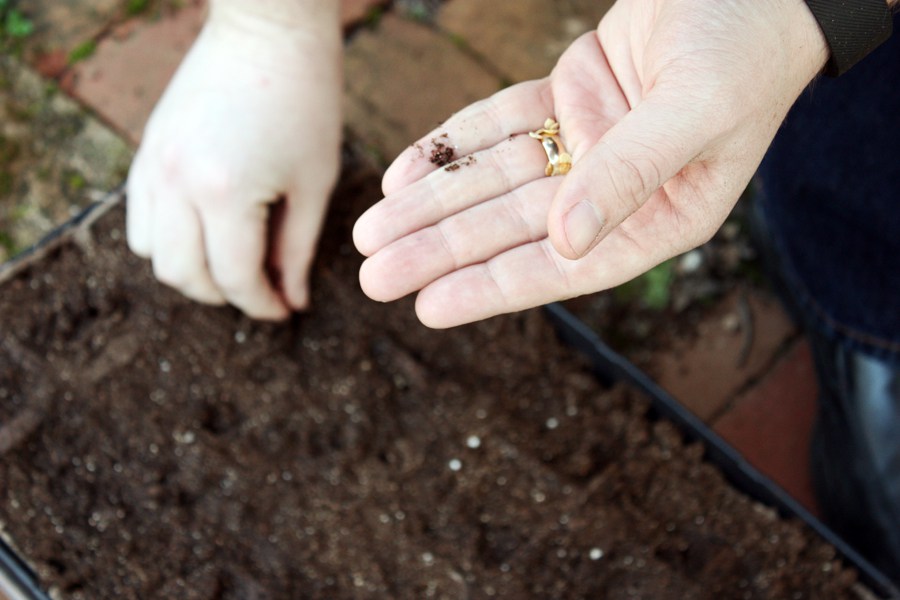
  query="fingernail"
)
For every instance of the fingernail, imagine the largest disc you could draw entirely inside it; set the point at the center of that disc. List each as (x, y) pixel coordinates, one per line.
(582, 226)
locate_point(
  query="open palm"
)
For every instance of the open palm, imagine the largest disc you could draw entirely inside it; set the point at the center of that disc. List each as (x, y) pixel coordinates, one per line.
(667, 110)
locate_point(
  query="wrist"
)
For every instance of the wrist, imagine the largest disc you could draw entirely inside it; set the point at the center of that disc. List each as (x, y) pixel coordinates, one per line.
(810, 42)
(319, 16)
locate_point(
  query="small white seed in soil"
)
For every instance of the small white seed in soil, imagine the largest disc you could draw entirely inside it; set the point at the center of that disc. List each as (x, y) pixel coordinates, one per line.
(552, 423)
(691, 261)
(427, 558)
(455, 464)
(240, 337)
(165, 366)
(596, 554)
(473, 441)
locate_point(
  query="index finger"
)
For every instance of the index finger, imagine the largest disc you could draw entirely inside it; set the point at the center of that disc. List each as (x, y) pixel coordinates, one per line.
(236, 248)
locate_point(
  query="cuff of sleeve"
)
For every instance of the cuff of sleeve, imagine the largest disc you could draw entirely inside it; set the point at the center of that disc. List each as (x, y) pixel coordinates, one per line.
(852, 28)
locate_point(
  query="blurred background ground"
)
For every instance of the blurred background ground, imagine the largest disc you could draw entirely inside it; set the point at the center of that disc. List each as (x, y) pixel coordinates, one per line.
(79, 79)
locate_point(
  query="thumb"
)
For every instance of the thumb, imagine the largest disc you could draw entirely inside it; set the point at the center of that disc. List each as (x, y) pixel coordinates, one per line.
(633, 159)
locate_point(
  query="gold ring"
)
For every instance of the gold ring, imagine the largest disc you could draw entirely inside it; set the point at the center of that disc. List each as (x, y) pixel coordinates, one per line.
(559, 162)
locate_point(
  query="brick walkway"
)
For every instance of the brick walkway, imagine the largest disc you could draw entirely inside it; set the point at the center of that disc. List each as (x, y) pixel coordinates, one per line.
(763, 404)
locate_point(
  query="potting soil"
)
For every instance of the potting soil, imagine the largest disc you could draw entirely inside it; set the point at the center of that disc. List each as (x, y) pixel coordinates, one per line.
(151, 447)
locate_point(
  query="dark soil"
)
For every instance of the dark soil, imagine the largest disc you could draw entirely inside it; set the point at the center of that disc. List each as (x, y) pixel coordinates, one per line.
(155, 448)
(442, 153)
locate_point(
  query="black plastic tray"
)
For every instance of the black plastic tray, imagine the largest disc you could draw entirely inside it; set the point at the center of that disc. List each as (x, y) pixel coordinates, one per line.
(612, 367)
(19, 581)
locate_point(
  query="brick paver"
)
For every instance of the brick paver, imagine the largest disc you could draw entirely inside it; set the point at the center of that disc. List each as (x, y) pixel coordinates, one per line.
(772, 423)
(734, 344)
(402, 78)
(522, 40)
(66, 25)
(353, 11)
(127, 74)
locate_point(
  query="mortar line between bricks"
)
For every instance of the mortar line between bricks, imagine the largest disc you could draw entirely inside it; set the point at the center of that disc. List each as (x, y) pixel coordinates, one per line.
(463, 46)
(783, 350)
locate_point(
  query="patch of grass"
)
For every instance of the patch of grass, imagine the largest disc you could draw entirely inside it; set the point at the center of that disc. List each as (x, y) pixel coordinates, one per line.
(82, 51)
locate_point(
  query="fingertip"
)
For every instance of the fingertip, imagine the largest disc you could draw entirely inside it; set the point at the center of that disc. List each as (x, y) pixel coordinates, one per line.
(275, 312)
(368, 282)
(297, 294)
(361, 234)
(376, 283)
(204, 295)
(433, 312)
(409, 166)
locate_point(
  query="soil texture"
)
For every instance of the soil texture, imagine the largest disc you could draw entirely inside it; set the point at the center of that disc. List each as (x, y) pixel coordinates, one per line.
(151, 447)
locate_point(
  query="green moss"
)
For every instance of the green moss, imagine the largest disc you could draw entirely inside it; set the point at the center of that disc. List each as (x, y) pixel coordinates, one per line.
(74, 182)
(652, 289)
(82, 51)
(7, 183)
(458, 41)
(136, 7)
(373, 17)
(23, 113)
(8, 243)
(9, 150)
(16, 25)
(18, 213)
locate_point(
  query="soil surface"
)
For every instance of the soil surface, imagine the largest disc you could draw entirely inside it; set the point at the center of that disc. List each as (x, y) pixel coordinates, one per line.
(154, 448)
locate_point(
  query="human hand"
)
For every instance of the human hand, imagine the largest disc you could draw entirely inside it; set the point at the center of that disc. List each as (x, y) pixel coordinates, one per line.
(250, 117)
(667, 110)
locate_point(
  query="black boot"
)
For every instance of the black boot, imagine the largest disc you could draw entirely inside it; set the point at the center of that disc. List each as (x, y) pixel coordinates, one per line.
(855, 454)
(856, 451)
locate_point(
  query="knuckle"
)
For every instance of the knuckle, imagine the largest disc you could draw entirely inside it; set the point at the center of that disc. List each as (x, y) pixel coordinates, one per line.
(207, 180)
(169, 273)
(632, 179)
(233, 283)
